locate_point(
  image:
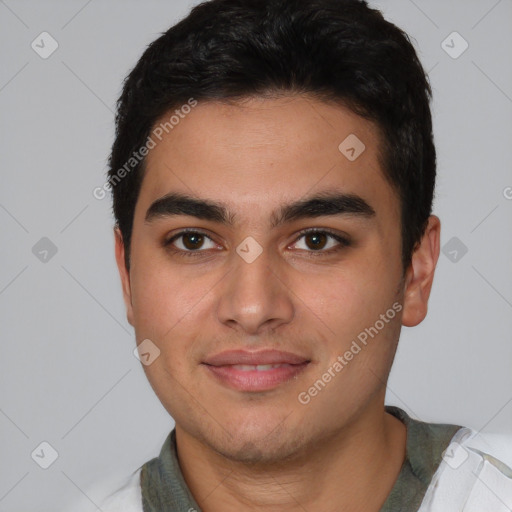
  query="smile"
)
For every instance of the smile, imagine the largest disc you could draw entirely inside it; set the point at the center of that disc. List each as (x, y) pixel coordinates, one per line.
(254, 377)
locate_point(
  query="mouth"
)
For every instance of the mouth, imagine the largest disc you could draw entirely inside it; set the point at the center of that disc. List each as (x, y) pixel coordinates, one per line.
(255, 371)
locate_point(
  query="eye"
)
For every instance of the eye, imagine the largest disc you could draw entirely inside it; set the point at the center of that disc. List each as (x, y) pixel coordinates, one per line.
(192, 242)
(189, 242)
(321, 241)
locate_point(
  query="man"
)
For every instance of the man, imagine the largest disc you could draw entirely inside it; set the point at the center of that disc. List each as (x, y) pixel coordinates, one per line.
(273, 174)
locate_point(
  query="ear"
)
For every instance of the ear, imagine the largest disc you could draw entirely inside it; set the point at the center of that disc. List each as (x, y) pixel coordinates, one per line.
(123, 274)
(420, 274)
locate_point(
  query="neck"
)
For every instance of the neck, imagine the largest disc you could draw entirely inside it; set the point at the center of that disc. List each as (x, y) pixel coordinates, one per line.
(350, 470)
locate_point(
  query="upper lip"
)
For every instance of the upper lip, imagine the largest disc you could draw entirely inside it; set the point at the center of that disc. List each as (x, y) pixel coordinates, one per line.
(232, 357)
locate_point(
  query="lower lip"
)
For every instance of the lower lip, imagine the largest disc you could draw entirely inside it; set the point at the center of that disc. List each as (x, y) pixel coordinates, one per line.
(255, 380)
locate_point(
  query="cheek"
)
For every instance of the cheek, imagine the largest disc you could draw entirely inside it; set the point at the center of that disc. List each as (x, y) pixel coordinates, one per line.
(153, 304)
(160, 297)
(170, 305)
(344, 297)
(348, 301)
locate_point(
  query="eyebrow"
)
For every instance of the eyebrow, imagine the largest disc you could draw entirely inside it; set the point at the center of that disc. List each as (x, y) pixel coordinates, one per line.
(322, 204)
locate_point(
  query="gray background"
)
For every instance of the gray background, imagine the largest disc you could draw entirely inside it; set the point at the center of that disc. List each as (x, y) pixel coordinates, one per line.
(68, 374)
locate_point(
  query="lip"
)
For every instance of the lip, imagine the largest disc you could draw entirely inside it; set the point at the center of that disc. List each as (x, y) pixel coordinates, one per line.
(236, 368)
(231, 357)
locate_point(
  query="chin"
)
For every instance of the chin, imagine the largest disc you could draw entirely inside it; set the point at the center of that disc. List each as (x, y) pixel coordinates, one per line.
(263, 443)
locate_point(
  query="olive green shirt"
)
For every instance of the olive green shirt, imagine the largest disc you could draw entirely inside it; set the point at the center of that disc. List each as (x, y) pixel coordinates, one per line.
(164, 489)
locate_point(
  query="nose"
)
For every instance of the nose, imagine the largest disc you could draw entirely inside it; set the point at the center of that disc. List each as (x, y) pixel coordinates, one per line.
(254, 297)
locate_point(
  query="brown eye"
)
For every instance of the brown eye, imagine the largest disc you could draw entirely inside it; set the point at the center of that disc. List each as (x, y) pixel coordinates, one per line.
(190, 242)
(321, 242)
(193, 241)
(316, 240)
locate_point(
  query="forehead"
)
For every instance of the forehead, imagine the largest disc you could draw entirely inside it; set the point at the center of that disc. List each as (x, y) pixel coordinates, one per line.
(257, 152)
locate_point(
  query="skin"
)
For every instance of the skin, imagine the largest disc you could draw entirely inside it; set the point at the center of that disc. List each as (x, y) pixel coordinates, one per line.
(265, 450)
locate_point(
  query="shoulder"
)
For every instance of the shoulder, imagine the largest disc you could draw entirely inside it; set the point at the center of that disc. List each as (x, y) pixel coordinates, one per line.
(127, 498)
(497, 445)
(475, 474)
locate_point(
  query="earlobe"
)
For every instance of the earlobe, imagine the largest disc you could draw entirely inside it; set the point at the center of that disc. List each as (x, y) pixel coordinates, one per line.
(420, 274)
(123, 274)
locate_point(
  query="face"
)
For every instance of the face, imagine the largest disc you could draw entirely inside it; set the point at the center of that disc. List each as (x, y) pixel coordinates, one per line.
(260, 254)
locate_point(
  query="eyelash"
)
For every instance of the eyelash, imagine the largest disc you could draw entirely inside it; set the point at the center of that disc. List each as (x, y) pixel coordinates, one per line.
(343, 242)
